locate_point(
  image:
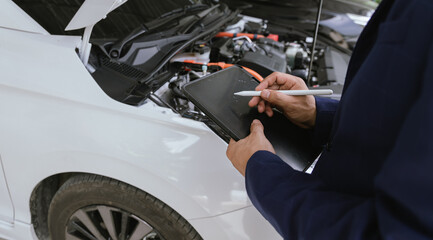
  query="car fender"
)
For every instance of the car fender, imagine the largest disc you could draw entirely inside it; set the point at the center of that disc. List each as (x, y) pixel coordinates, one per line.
(13, 17)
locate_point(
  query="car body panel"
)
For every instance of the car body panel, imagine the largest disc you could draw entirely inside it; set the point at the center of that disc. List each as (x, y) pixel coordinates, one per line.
(17, 231)
(66, 123)
(92, 11)
(13, 17)
(6, 207)
(345, 25)
(240, 225)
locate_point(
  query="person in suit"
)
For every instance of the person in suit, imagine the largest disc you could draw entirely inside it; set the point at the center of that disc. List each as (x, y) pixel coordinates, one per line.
(374, 178)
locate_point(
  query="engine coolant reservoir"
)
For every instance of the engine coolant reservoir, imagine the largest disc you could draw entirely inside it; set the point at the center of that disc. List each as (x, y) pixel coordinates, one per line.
(200, 54)
(291, 51)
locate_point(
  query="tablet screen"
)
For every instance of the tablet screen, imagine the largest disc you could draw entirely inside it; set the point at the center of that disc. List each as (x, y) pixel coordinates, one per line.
(214, 95)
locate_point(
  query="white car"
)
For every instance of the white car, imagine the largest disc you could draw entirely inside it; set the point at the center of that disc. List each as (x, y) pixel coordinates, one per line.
(97, 141)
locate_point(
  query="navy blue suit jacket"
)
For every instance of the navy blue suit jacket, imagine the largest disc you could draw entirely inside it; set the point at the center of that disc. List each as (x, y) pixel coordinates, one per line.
(374, 178)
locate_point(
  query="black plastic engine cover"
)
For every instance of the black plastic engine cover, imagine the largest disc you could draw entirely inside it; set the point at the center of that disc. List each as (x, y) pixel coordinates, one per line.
(263, 64)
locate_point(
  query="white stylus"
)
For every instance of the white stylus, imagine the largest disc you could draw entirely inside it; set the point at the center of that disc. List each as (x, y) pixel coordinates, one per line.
(288, 92)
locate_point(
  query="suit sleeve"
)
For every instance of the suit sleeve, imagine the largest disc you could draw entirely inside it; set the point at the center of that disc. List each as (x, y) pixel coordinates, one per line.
(301, 206)
(325, 111)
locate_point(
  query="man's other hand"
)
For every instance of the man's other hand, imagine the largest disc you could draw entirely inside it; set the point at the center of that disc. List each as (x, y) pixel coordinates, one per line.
(301, 110)
(240, 152)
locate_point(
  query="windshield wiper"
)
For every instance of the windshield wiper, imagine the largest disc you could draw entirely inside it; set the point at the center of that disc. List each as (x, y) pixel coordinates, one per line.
(197, 18)
(185, 9)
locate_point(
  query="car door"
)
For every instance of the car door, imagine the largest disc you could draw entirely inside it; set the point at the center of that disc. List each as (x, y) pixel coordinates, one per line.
(6, 207)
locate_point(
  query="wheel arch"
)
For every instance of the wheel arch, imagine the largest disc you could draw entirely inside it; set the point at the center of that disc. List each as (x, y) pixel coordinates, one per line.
(40, 201)
(43, 194)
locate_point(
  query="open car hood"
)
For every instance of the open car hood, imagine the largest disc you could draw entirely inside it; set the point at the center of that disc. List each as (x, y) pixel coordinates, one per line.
(91, 12)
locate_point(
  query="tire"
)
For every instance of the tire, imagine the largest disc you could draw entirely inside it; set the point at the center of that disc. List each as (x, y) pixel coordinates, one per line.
(95, 207)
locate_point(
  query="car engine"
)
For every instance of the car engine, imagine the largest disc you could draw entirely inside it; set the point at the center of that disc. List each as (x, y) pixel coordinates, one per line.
(154, 61)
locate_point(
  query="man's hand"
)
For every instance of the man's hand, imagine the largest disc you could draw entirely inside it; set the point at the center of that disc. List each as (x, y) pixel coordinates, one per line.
(240, 152)
(301, 110)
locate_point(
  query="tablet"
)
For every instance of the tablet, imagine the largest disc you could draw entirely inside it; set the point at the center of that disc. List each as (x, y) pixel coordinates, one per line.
(214, 95)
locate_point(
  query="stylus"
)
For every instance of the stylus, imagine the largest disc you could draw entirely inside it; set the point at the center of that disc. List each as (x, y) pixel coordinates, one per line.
(288, 92)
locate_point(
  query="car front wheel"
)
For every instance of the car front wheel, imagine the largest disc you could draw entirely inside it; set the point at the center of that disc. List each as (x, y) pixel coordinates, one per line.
(90, 207)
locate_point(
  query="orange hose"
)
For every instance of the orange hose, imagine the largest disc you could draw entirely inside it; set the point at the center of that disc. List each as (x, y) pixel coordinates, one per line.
(224, 65)
(254, 73)
(249, 35)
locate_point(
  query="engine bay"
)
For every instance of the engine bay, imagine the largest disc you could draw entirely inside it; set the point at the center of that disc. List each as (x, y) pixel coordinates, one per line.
(155, 60)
